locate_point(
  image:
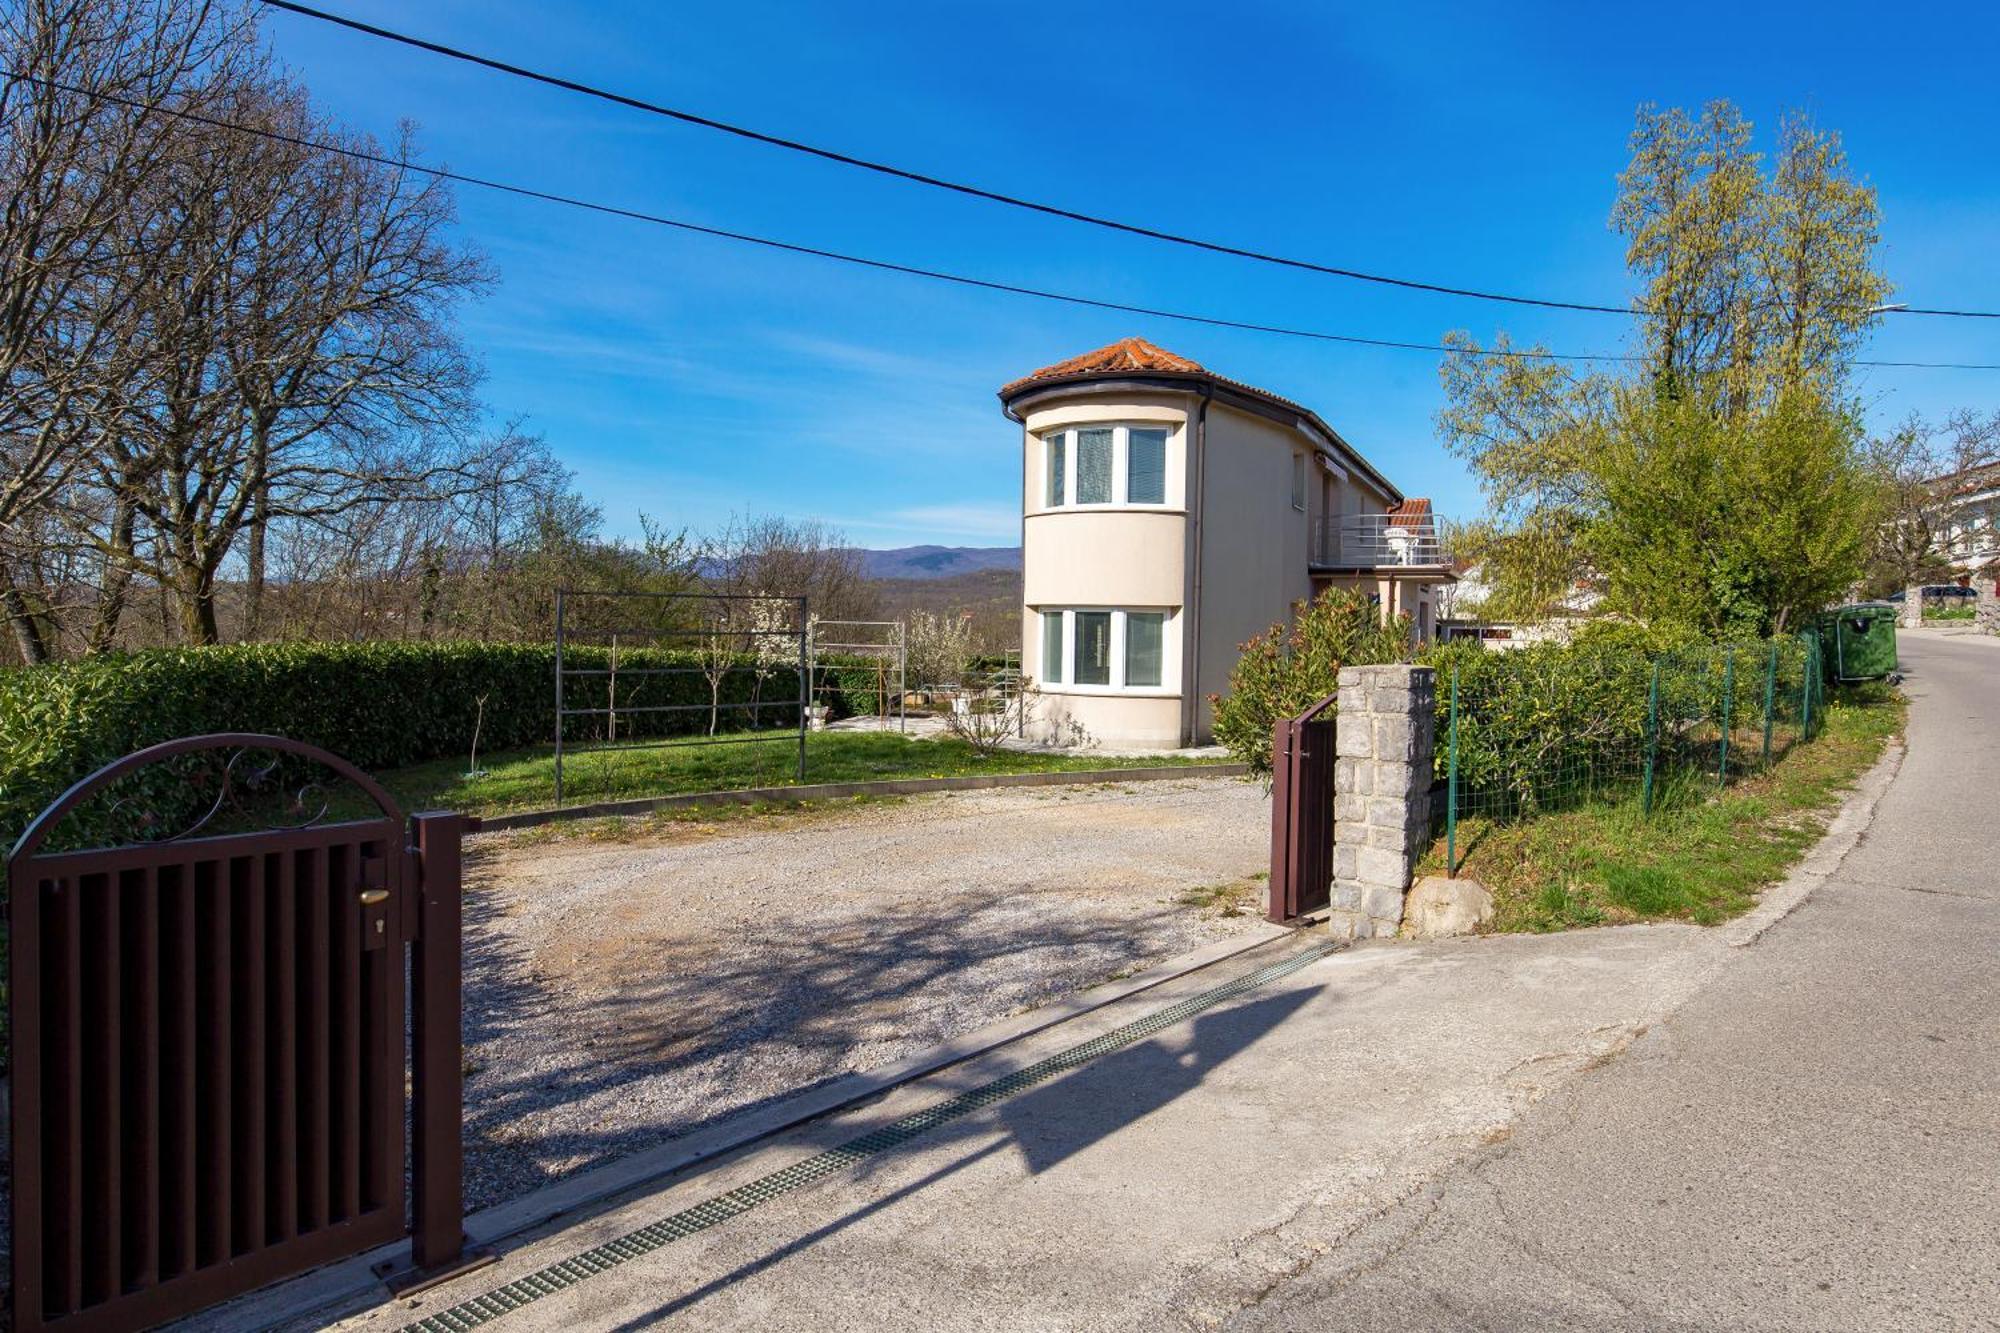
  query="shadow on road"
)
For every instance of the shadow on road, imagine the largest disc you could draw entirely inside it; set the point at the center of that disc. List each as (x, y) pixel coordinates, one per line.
(1045, 1126)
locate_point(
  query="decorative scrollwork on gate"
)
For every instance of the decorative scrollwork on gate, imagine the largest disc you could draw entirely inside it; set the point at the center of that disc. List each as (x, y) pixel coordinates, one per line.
(242, 787)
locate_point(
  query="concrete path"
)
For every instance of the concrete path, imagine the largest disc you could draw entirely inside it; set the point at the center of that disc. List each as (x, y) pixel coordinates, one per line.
(1643, 1127)
(1812, 1142)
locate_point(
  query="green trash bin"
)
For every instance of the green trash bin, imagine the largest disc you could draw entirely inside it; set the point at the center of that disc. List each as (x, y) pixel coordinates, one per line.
(1859, 642)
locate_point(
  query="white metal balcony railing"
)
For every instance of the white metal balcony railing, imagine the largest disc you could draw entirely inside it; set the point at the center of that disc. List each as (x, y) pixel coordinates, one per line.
(1376, 540)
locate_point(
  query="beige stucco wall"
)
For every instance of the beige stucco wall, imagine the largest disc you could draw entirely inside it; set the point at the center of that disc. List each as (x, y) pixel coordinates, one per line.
(1254, 544)
(1104, 558)
(1123, 719)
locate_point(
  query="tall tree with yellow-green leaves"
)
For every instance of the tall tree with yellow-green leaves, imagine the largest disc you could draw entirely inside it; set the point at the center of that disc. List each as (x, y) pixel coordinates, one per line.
(1719, 481)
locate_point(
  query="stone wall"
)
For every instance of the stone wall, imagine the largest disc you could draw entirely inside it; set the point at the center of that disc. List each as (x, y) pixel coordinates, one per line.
(1987, 611)
(1385, 735)
(1913, 607)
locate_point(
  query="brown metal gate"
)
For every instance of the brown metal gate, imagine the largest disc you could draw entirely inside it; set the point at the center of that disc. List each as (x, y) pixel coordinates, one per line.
(208, 1051)
(1302, 752)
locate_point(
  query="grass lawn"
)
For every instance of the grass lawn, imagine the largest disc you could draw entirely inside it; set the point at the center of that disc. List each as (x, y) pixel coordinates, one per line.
(1700, 857)
(525, 779)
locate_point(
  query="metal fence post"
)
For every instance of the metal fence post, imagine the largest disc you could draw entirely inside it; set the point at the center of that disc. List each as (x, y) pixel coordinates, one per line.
(1805, 693)
(1770, 697)
(1652, 737)
(559, 695)
(1451, 786)
(805, 674)
(1728, 699)
(437, 1074)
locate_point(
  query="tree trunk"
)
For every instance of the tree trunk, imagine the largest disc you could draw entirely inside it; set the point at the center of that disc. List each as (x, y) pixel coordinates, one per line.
(117, 578)
(253, 584)
(196, 596)
(28, 636)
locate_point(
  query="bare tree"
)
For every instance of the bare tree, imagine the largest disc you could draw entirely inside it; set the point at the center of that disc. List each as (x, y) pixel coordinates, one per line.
(85, 115)
(303, 364)
(777, 556)
(1923, 468)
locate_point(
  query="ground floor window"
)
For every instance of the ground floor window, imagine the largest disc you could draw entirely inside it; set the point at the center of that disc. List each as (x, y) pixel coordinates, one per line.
(1105, 648)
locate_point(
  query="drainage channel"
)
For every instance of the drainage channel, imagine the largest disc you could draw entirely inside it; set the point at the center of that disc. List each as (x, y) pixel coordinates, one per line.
(525, 1291)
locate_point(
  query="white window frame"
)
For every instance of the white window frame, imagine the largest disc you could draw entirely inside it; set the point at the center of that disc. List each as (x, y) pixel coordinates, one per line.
(1121, 465)
(1169, 664)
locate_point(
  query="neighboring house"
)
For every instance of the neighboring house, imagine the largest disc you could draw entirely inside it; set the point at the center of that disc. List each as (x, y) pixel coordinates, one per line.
(1168, 514)
(1462, 615)
(1968, 528)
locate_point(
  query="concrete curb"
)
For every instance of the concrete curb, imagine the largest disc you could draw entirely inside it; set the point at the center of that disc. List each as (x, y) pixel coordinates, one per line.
(833, 791)
(351, 1284)
(1819, 864)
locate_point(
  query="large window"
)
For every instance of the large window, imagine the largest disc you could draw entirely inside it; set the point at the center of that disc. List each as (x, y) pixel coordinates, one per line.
(1105, 465)
(1090, 648)
(1146, 466)
(1143, 633)
(1104, 649)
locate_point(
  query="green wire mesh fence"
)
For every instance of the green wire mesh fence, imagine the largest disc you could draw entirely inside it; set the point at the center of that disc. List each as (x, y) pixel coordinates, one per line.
(1538, 730)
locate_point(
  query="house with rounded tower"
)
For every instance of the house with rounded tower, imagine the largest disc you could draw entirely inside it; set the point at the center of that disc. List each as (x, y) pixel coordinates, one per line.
(1168, 514)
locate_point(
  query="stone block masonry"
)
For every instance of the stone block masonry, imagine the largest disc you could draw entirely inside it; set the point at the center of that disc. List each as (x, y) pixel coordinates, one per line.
(1986, 614)
(1913, 607)
(1384, 740)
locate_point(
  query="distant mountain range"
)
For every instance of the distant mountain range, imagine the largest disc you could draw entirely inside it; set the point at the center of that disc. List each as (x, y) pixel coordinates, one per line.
(938, 562)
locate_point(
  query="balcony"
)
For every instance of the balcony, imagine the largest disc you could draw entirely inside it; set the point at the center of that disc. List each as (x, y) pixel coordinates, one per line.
(1377, 541)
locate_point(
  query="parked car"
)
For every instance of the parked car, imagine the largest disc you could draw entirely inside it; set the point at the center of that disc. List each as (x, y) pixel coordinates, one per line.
(1937, 592)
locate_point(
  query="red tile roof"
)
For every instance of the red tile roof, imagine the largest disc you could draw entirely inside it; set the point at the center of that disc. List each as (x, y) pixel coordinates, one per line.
(1122, 357)
(1410, 514)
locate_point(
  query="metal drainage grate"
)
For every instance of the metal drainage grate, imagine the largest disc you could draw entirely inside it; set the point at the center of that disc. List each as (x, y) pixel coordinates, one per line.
(556, 1277)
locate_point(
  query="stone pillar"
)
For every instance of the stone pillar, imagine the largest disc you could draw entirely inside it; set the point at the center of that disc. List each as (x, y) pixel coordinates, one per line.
(1913, 607)
(1383, 746)
(1987, 613)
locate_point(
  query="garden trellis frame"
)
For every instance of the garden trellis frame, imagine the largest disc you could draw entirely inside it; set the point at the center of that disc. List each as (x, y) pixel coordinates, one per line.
(716, 619)
(896, 649)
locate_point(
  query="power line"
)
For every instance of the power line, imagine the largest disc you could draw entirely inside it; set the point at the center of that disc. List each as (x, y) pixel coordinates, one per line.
(976, 191)
(864, 261)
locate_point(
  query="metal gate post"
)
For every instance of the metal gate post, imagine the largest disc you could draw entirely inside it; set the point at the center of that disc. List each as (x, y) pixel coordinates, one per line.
(437, 1149)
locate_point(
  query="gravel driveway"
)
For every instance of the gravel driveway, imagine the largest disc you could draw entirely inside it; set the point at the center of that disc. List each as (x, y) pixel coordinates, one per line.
(619, 994)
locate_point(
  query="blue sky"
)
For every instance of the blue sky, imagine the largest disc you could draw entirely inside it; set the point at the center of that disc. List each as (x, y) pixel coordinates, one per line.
(1473, 145)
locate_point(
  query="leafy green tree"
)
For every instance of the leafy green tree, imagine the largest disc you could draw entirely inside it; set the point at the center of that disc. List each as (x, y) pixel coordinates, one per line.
(1288, 668)
(1719, 482)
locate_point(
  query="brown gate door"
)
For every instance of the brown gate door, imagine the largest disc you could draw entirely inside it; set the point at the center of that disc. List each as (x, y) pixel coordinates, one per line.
(208, 1038)
(1302, 754)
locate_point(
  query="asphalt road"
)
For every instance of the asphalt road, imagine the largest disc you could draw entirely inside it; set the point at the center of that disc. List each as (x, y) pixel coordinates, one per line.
(1811, 1142)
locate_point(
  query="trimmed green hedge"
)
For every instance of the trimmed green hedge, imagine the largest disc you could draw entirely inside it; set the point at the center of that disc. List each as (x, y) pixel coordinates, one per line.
(379, 705)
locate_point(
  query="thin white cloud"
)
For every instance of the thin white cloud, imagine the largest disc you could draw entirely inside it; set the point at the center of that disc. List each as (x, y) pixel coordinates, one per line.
(970, 523)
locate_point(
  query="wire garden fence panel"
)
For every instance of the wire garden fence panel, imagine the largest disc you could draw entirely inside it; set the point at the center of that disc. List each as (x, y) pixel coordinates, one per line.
(650, 671)
(1545, 729)
(842, 650)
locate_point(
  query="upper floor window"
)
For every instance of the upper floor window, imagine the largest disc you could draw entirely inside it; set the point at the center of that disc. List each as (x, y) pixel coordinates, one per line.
(1105, 465)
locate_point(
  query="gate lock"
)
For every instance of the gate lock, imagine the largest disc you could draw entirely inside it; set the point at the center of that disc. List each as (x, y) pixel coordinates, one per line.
(374, 905)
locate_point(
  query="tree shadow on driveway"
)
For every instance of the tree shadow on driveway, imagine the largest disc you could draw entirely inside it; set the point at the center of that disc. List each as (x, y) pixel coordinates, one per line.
(1045, 1126)
(562, 1076)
